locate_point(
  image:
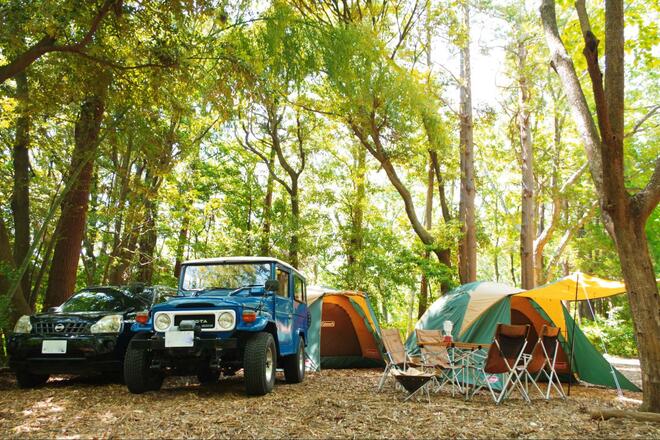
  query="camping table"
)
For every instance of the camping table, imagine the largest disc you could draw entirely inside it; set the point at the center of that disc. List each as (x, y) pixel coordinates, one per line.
(469, 357)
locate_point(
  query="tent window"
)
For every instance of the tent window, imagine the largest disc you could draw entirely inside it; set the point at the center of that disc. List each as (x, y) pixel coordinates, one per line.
(283, 278)
(298, 289)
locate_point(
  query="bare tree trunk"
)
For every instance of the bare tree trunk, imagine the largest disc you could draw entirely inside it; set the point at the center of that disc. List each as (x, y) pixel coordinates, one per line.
(527, 222)
(467, 246)
(20, 202)
(71, 225)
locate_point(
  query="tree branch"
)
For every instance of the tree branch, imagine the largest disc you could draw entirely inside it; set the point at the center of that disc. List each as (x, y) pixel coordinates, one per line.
(564, 67)
(47, 44)
(639, 123)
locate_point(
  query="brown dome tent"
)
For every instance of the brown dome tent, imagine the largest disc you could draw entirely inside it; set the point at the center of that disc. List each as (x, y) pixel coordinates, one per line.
(344, 332)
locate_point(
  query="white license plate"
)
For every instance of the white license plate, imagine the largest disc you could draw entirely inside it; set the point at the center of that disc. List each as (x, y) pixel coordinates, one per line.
(179, 339)
(53, 347)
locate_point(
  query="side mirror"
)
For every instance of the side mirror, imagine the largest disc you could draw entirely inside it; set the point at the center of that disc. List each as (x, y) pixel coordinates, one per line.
(272, 286)
(53, 309)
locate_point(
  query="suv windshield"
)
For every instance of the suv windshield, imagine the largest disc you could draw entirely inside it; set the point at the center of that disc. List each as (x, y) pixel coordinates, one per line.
(106, 300)
(224, 276)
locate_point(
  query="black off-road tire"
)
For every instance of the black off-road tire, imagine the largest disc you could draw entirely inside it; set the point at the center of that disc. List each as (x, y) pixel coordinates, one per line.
(29, 380)
(259, 375)
(294, 365)
(137, 374)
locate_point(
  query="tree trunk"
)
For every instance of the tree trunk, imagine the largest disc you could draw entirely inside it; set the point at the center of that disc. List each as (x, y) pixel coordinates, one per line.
(428, 223)
(71, 225)
(639, 276)
(147, 242)
(20, 202)
(628, 214)
(268, 208)
(19, 305)
(467, 247)
(527, 223)
(357, 217)
(89, 237)
(181, 245)
(294, 244)
(36, 286)
(513, 269)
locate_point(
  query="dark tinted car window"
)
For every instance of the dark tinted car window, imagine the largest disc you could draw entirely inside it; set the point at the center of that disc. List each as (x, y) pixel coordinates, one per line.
(99, 301)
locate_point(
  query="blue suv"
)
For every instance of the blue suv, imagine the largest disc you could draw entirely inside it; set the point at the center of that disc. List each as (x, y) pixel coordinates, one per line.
(230, 313)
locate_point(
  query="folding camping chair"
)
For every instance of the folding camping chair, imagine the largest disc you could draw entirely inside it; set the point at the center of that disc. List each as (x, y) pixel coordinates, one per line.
(435, 356)
(505, 356)
(414, 381)
(396, 357)
(543, 361)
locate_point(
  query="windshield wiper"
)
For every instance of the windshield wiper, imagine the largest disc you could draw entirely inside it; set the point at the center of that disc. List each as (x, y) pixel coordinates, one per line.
(234, 292)
(207, 289)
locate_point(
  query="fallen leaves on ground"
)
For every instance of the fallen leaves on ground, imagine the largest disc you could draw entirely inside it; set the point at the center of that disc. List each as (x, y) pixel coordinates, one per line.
(329, 404)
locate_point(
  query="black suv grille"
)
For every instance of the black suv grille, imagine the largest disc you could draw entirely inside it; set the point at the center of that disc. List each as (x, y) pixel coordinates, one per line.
(206, 321)
(60, 328)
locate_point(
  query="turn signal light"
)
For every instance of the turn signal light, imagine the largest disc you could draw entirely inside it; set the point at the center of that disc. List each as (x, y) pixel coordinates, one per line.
(249, 317)
(142, 317)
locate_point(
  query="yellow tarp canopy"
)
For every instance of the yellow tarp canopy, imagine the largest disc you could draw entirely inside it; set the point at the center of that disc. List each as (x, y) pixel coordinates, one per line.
(549, 296)
(564, 289)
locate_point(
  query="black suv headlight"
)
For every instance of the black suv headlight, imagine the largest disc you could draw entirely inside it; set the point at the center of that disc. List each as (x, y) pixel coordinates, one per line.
(108, 324)
(23, 325)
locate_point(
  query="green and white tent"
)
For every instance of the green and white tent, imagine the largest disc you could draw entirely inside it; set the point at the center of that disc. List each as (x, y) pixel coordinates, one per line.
(344, 331)
(476, 308)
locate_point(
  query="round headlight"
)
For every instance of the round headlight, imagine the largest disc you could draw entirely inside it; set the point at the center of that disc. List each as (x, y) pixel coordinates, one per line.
(23, 325)
(162, 322)
(226, 321)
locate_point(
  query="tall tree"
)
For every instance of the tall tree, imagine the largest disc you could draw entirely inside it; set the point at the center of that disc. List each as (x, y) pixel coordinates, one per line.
(71, 225)
(467, 246)
(527, 211)
(625, 212)
(20, 202)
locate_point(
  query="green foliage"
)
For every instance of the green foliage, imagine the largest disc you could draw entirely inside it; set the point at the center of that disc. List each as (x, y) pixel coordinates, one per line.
(615, 332)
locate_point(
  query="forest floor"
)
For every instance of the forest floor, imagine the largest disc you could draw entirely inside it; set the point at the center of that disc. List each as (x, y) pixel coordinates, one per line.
(332, 403)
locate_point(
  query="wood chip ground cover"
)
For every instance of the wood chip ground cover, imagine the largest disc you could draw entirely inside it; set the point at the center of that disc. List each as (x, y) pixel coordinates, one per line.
(330, 404)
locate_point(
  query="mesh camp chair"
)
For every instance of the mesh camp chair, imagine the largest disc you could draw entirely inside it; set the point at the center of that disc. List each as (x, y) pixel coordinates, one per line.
(414, 381)
(396, 357)
(505, 356)
(543, 361)
(435, 356)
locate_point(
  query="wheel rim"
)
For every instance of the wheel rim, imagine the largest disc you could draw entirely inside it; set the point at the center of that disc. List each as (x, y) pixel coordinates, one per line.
(269, 364)
(301, 359)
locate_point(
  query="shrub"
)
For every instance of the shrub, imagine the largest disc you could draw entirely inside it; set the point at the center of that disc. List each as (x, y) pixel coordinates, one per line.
(615, 332)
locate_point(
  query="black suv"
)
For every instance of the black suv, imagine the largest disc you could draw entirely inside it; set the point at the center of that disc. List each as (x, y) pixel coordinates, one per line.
(88, 334)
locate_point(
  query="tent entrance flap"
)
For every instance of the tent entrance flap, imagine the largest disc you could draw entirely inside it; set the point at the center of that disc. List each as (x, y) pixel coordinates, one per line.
(338, 337)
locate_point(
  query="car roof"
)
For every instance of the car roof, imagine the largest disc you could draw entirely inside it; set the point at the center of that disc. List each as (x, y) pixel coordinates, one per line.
(221, 260)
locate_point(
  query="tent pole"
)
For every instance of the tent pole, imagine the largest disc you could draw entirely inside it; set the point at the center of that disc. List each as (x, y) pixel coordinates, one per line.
(570, 361)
